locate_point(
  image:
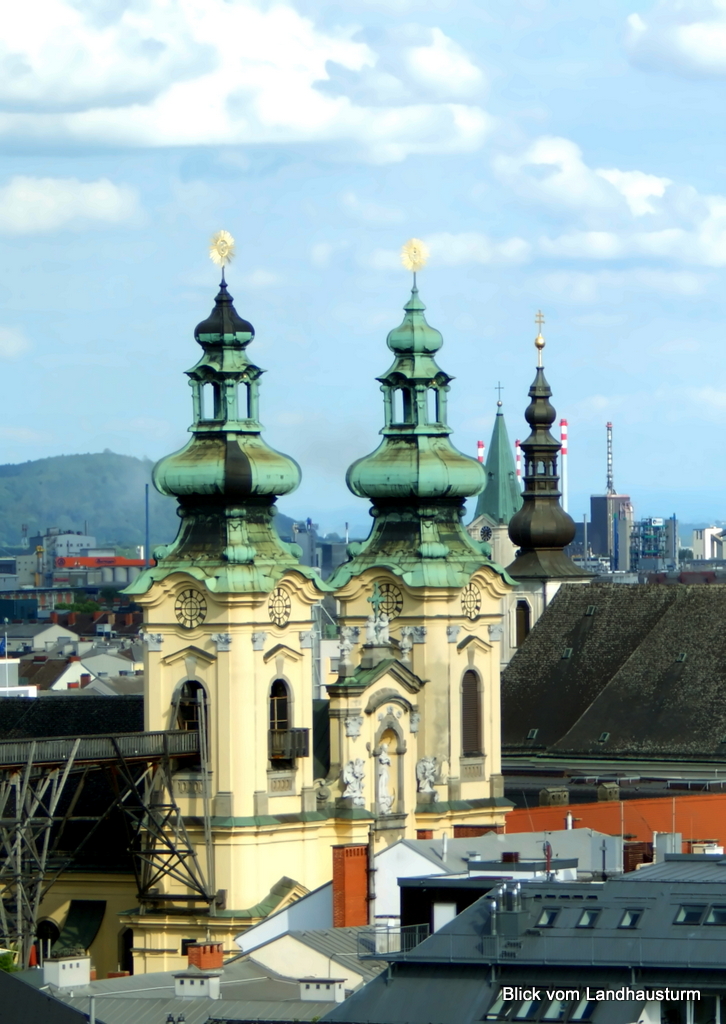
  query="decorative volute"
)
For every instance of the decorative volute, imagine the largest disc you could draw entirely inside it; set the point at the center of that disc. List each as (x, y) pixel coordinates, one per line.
(416, 479)
(226, 478)
(541, 528)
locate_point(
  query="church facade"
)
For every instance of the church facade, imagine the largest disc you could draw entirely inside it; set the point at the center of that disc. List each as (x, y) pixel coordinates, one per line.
(408, 739)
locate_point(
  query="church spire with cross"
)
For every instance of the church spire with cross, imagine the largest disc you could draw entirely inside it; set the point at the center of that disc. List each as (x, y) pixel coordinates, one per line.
(541, 528)
(502, 495)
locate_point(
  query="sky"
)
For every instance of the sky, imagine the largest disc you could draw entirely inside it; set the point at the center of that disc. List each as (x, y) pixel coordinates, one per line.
(552, 154)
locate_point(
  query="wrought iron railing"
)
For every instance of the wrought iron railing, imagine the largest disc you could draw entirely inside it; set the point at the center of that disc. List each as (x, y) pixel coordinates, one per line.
(381, 941)
(287, 744)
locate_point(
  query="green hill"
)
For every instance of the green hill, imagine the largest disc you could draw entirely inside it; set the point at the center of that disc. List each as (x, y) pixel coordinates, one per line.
(104, 490)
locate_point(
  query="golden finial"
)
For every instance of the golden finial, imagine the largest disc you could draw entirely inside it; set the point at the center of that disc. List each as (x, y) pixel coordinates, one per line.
(414, 254)
(221, 249)
(539, 340)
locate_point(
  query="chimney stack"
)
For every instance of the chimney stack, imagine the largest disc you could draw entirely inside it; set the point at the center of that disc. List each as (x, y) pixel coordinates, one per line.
(350, 885)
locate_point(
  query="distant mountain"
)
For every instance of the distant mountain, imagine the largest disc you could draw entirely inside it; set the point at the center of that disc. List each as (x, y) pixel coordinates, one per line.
(104, 490)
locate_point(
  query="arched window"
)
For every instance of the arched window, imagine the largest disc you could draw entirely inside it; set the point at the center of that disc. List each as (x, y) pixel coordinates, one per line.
(471, 745)
(523, 613)
(191, 711)
(279, 707)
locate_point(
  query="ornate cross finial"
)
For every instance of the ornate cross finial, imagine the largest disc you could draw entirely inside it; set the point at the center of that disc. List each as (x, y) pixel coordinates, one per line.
(539, 340)
(376, 599)
(499, 388)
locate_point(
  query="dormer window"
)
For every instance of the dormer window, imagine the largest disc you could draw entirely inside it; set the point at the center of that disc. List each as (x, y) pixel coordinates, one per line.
(690, 913)
(548, 917)
(630, 919)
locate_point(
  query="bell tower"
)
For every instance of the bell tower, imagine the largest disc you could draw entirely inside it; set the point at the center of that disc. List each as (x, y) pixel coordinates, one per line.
(420, 602)
(227, 630)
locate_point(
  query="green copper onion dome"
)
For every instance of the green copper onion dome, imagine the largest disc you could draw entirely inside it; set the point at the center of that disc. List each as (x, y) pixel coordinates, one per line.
(416, 479)
(226, 478)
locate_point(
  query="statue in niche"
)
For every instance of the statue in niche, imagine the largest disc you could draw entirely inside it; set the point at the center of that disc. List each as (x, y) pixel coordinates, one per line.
(385, 798)
(426, 774)
(353, 775)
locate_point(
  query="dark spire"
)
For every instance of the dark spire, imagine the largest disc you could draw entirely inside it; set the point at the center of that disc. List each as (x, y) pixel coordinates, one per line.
(541, 528)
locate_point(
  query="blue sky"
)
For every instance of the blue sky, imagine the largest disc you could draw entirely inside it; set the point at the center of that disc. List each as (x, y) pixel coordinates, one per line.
(551, 153)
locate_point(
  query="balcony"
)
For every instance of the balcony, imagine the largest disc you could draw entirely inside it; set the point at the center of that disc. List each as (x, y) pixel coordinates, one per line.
(287, 744)
(374, 943)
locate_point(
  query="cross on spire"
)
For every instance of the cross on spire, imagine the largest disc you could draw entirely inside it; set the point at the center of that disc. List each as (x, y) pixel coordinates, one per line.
(499, 388)
(539, 319)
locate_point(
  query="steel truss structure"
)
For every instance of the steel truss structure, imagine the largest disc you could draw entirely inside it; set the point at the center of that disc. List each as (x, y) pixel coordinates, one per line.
(41, 784)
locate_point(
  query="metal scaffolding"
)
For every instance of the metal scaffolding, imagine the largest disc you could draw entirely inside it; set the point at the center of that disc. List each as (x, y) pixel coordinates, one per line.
(41, 785)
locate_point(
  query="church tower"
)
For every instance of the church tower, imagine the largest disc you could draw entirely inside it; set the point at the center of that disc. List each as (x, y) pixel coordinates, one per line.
(541, 529)
(228, 620)
(501, 497)
(415, 709)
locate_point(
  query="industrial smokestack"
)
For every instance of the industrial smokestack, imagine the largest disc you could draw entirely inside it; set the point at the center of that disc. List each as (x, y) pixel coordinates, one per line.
(563, 462)
(610, 489)
(480, 451)
(518, 458)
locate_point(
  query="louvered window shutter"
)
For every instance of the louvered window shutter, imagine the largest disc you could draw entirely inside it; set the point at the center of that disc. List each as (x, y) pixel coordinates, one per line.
(470, 715)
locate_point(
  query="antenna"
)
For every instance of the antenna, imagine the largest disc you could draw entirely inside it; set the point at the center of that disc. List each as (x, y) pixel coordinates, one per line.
(563, 462)
(610, 486)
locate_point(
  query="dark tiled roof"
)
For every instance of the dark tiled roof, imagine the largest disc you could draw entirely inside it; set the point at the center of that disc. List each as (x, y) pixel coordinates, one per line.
(42, 673)
(621, 671)
(22, 1002)
(76, 715)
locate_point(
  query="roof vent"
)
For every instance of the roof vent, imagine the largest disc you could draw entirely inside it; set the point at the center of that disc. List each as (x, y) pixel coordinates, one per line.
(591, 609)
(603, 737)
(567, 653)
(682, 656)
(532, 734)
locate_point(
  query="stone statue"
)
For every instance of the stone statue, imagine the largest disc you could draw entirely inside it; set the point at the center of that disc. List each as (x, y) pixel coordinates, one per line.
(346, 640)
(406, 642)
(385, 798)
(371, 630)
(426, 774)
(382, 629)
(353, 775)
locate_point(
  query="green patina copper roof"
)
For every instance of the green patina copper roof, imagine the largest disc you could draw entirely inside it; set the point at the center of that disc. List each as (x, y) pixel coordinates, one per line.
(502, 495)
(226, 478)
(416, 479)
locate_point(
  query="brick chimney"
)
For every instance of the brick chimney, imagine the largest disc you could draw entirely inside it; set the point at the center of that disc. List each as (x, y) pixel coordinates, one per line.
(54, 617)
(85, 678)
(73, 657)
(71, 618)
(129, 619)
(350, 885)
(207, 956)
(96, 617)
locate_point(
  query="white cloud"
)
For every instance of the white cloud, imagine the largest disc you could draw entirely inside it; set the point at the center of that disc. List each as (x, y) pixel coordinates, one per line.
(442, 65)
(43, 204)
(13, 343)
(455, 249)
(681, 36)
(616, 214)
(552, 171)
(205, 72)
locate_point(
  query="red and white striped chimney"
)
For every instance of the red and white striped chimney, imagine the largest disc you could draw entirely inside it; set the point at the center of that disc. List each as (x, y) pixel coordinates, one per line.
(563, 462)
(480, 451)
(518, 459)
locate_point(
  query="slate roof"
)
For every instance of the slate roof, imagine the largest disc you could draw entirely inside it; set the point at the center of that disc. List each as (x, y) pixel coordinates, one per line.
(612, 671)
(341, 946)
(42, 673)
(249, 992)
(454, 966)
(70, 715)
(22, 1002)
